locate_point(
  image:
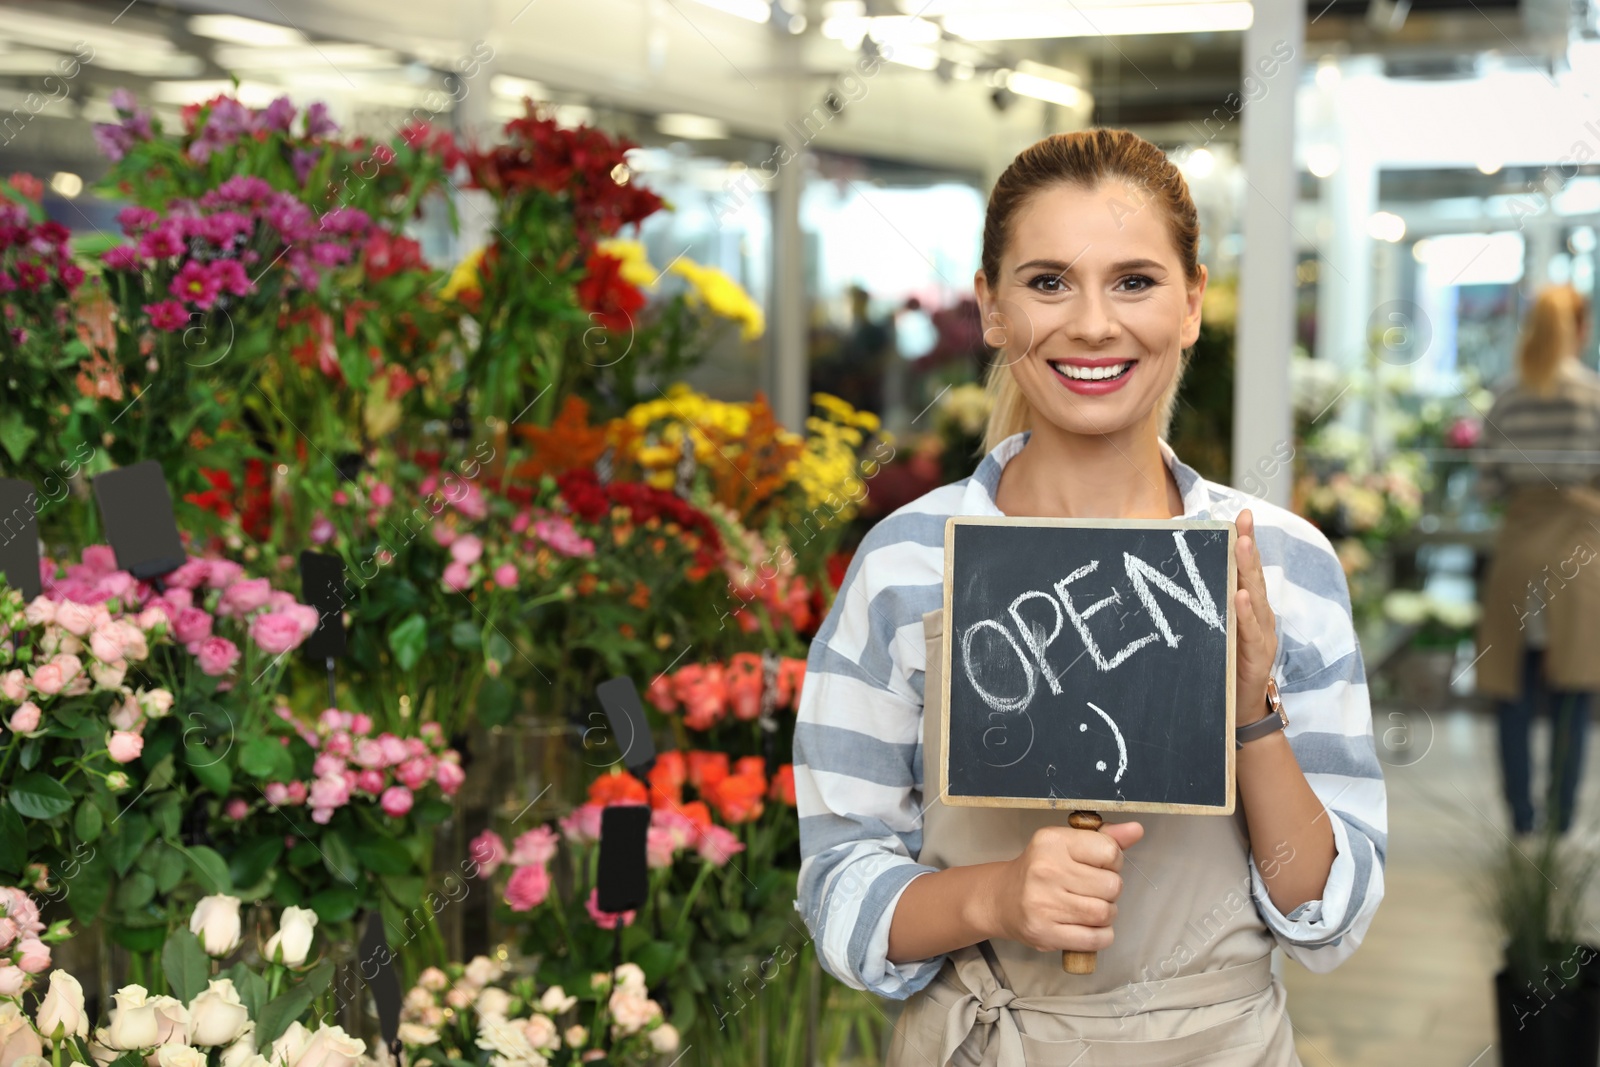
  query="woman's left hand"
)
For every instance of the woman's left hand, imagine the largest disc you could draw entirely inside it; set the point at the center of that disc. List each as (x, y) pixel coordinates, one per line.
(1258, 634)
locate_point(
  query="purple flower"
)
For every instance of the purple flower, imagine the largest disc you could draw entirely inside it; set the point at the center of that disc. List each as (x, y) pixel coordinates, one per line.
(350, 221)
(318, 124)
(113, 141)
(135, 220)
(330, 253)
(163, 242)
(245, 190)
(291, 219)
(122, 100)
(122, 257)
(167, 315)
(221, 228)
(277, 115)
(196, 284)
(302, 160)
(230, 276)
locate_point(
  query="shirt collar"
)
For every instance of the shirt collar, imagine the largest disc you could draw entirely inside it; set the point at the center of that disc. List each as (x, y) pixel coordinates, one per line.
(985, 481)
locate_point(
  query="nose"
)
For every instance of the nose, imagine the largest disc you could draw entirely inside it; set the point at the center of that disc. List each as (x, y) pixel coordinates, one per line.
(1090, 319)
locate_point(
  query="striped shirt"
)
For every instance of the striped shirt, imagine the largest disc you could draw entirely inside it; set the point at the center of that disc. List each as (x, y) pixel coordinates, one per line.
(1543, 441)
(858, 735)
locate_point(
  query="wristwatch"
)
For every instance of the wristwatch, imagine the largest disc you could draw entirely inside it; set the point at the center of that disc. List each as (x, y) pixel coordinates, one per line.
(1275, 720)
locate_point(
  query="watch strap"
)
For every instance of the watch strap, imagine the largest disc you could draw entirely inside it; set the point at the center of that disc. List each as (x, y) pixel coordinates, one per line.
(1274, 721)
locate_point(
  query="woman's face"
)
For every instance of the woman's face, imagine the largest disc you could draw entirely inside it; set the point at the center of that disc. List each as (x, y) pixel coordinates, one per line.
(1091, 309)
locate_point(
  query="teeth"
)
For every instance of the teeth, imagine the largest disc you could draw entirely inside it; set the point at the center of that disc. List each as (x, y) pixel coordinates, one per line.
(1091, 374)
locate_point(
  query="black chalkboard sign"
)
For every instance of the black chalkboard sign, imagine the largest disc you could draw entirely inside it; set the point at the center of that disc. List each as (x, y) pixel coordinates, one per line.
(19, 537)
(136, 511)
(1089, 665)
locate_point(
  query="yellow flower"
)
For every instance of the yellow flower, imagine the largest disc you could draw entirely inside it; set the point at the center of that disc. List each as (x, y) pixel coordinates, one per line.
(722, 295)
(464, 278)
(636, 267)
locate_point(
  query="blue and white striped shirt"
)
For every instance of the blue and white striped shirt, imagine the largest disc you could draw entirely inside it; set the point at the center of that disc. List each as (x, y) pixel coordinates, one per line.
(858, 736)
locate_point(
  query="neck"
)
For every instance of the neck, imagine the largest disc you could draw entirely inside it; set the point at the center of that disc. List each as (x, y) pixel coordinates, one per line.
(1060, 474)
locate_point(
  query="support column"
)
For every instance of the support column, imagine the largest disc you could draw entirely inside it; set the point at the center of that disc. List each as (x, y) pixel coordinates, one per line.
(788, 367)
(1262, 416)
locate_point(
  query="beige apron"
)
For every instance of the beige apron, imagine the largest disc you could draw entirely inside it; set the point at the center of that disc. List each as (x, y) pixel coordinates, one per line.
(1187, 979)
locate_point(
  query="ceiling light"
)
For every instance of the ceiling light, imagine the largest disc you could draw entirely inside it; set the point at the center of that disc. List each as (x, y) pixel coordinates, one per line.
(1026, 83)
(237, 30)
(517, 88)
(66, 184)
(248, 93)
(49, 31)
(1328, 73)
(897, 30)
(754, 10)
(1489, 166)
(342, 57)
(1386, 226)
(30, 61)
(1199, 163)
(914, 55)
(1020, 19)
(1322, 159)
(571, 115)
(691, 127)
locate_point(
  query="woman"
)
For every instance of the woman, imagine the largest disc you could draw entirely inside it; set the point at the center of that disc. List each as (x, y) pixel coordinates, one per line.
(1541, 601)
(1089, 260)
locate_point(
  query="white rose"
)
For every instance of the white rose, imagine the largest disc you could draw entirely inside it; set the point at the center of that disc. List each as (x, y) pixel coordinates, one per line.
(556, 1002)
(172, 1021)
(132, 1023)
(415, 1035)
(541, 1033)
(433, 979)
(664, 1038)
(102, 1054)
(62, 1008)
(482, 970)
(243, 1048)
(577, 1036)
(293, 938)
(217, 1016)
(180, 1056)
(459, 997)
(216, 923)
(630, 976)
(417, 1000)
(330, 1046)
(632, 1012)
(30, 1061)
(286, 1050)
(493, 1004)
(17, 1036)
(506, 1038)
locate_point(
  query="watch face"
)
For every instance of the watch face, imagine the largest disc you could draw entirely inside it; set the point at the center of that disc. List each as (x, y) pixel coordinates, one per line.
(1275, 701)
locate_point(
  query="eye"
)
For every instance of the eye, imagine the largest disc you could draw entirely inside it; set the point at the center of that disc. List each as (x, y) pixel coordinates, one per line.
(1147, 283)
(1048, 283)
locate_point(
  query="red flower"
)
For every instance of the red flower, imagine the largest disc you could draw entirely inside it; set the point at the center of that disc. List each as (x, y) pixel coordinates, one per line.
(783, 785)
(738, 797)
(791, 675)
(197, 284)
(706, 769)
(219, 498)
(618, 787)
(29, 186)
(751, 765)
(387, 254)
(667, 778)
(610, 301)
(697, 812)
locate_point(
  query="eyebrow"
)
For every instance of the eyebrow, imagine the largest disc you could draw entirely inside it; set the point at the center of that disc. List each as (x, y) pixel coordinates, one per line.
(1061, 267)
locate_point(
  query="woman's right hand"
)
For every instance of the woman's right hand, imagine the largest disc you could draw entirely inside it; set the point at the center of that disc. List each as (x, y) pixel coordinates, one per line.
(1061, 893)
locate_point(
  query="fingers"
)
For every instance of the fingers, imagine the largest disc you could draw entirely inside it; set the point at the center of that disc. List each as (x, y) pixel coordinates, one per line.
(1249, 624)
(1125, 834)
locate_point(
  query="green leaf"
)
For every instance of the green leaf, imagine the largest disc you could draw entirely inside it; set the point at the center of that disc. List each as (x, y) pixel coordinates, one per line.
(210, 869)
(304, 854)
(464, 635)
(266, 759)
(134, 831)
(167, 813)
(383, 855)
(335, 905)
(88, 822)
(13, 841)
(209, 769)
(408, 641)
(496, 647)
(160, 776)
(251, 860)
(136, 890)
(186, 965)
(30, 753)
(38, 796)
(339, 859)
(251, 987)
(432, 812)
(278, 1014)
(15, 434)
(170, 869)
(494, 702)
(90, 886)
(128, 1059)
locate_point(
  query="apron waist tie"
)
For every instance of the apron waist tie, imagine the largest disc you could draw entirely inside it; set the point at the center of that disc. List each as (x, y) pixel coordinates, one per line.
(995, 1005)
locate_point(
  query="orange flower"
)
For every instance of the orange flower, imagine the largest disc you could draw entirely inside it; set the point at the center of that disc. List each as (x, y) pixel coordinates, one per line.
(696, 812)
(751, 765)
(783, 785)
(659, 694)
(791, 673)
(617, 787)
(706, 769)
(640, 597)
(587, 584)
(744, 676)
(738, 797)
(667, 778)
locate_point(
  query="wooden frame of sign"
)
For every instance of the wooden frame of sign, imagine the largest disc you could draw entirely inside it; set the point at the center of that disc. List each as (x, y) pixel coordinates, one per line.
(1071, 804)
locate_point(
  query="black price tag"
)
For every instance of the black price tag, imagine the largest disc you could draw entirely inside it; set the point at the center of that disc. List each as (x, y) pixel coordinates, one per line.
(623, 874)
(624, 710)
(378, 961)
(322, 586)
(136, 511)
(19, 537)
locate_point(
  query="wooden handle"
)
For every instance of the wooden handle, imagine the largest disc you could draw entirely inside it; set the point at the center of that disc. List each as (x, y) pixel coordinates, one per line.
(1081, 962)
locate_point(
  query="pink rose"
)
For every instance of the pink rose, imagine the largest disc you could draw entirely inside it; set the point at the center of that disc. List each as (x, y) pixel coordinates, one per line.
(105, 645)
(718, 845)
(25, 720)
(528, 887)
(456, 577)
(606, 920)
(277, 794)
(152, 618)
(40, 610)
(659, 847)
(222, 573)
(450, 776)
(340, 743)
(191, 574)
(127, 714)
(327, 763)
(35, 956)
(115, 585)
(297, 792)
(394, 749)
(99, 559)
(582, 824)
(321, 530)
(217, 656)
(361, 723)
(488, 851)
(12, 981)
(243, 597)
(8, 933)
(444, 534)
(47, 679)
(306, 616)
(369, 753)
(505, 576)
(14, 686)
(330, 791)
(370, 781)
(382, 495)
(396, 801)
(124, 746)
(536, 846)
(467, 549)
(469, 501)
(237, 809)
(415, 773)
(77, 619)
(192, 624)
(275, 633)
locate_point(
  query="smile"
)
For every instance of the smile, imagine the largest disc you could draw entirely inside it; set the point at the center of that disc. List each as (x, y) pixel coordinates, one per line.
(1104, 372)
(1093, 379)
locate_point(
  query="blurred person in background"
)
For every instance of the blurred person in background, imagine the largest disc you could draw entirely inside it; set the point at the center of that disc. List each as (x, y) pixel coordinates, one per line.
(1541, 598)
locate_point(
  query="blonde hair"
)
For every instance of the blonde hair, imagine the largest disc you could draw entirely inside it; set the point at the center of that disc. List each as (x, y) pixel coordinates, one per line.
(1550, 336)
(1083, 158)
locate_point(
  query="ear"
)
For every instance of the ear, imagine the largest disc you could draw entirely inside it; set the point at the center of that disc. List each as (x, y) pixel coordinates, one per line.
(980, 287)
(1193, 298)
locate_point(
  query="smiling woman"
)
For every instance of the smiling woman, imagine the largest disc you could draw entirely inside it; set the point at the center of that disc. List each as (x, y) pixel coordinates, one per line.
(1091, 290)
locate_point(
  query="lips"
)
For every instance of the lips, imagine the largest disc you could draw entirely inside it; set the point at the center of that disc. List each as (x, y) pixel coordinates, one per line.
(1093, 377)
